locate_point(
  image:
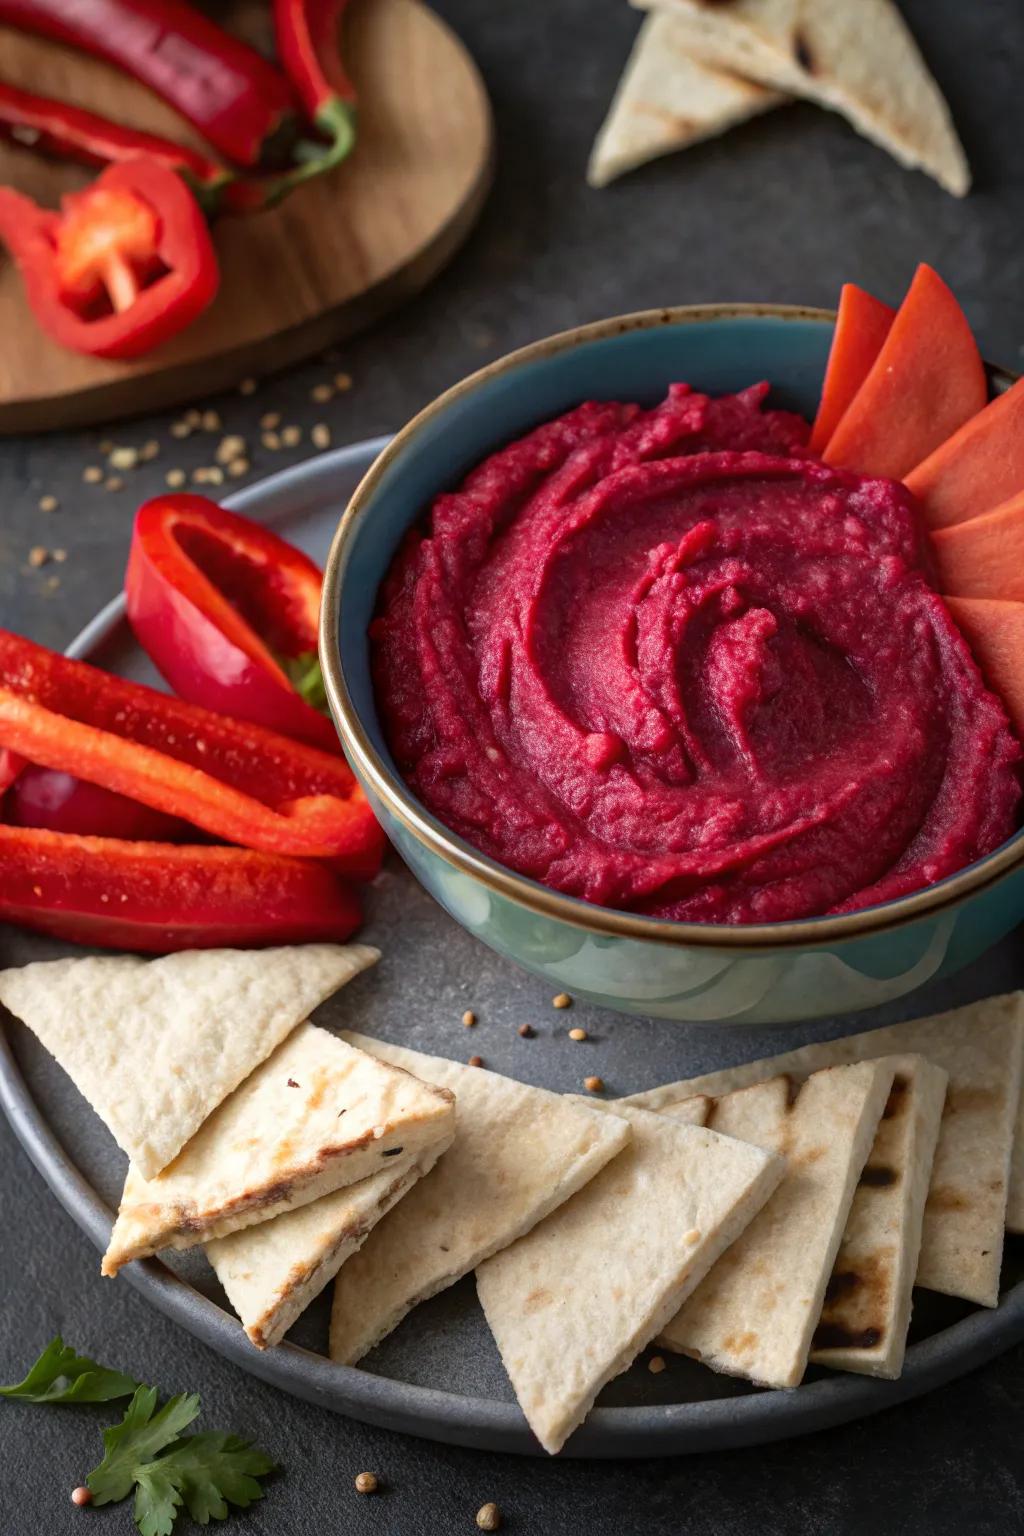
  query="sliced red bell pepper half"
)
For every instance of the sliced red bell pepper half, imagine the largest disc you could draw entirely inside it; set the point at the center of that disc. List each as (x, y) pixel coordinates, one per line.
(234, 779)
(227, 610)
(124, 266)
(156, 897)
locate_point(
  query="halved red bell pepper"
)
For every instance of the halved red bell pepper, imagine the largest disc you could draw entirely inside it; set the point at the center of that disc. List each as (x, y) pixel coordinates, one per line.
(238, 101)
(307, 43)
(125, 265)
(228, 612)
(158, 897)
(233, 779)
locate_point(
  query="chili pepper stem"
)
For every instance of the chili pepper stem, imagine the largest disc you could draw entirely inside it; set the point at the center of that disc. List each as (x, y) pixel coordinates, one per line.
(336, 119)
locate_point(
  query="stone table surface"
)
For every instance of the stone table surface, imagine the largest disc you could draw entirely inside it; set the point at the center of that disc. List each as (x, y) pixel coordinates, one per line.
(783, 210)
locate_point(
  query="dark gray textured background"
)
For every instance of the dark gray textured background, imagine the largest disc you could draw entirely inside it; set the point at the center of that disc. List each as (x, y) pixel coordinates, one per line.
(782, 210)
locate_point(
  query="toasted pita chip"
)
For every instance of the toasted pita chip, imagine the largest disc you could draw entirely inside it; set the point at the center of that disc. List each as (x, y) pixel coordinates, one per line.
(864, 1322)
(318, 1115)
(667, 100)
(860, 60)
(1015, 1199)
(572, 1304)
(518, 1153)
(755, 1314)
(271, 1272)
(981, 1047)
(156, 1045)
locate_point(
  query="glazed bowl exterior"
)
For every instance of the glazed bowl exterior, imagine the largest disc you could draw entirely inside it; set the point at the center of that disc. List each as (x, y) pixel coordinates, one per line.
(774, 973)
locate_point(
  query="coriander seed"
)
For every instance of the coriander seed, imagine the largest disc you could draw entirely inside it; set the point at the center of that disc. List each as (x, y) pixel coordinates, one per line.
(469, 1018)
(527, 1031)
(366, 1482)
(488, 1517)
(594, 1084)
(563, 1000)
(476, 1061)
(577, 1034)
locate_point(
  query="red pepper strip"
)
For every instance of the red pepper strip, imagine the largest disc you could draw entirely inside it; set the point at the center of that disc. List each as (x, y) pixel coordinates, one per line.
(124, 266)
(40, 797)
(215, 600)
(307, 44)
(238, 101)
(236, 780)
(158, 898)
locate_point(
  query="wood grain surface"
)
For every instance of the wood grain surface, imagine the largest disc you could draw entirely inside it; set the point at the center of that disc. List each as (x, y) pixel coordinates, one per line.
(337, 254)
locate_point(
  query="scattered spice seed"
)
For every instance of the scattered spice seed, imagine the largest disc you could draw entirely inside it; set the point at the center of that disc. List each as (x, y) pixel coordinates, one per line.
(488, 1517)
(239, 466)
(181, 429)
(60, 555)
(150, 450)
(321, 393)
(271, 441)
(194, 417)
(106, 446)
(113, 483)
(656, 1364)
(320, 435)
(577, 1034)
(594, 1084)
(469, 1018)
(210, 421)
(230, 447)
(343, 381)
(366, 1482)
(247, 387)
(270, 419)
(92, 474)
(208, 474)
(38, 556)
(291, 436)
(81, 1496)
(52, 583)
(476, 1061)
(48, 503)
(527, 1031)
(175, 477)
(124, 458)
(563, 1000)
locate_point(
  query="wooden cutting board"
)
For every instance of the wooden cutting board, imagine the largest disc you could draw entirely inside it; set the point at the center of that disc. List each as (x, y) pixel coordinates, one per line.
(336, 255)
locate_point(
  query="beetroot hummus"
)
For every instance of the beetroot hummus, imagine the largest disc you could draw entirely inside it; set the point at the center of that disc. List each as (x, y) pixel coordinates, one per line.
(666, 661)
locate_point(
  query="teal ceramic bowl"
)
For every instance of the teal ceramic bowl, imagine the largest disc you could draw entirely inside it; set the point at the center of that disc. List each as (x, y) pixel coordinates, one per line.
(773, 973)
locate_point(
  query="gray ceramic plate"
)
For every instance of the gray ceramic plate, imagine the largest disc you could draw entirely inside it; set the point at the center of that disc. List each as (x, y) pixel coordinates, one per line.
(439, 1375)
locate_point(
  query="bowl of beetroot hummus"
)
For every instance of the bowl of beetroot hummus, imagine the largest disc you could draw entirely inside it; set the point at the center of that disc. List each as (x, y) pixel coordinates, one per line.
(657, 703)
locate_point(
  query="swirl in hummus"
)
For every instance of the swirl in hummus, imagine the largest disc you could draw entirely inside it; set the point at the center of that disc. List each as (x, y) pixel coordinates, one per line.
(665, 661)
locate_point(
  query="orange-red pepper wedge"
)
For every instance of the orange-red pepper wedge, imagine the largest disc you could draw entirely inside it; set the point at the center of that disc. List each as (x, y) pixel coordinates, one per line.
(237, 781)
(977, 468)
(159, 897)
(994, 630)
(985, 556)
(927, 380)
(862, 324)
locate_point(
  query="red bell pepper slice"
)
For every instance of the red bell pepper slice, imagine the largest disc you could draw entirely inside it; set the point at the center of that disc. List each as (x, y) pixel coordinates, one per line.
(157, 897)
(307, 43)
(218, 603)
(235, 780)
(41, 797)
(124, 266)
(239, 102)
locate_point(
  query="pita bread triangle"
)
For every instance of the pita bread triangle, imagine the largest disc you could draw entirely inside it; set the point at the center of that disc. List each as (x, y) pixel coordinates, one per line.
(156, 1045)
(314, 1117)
(1015, 1201)
(858, 59)
(756, 1313)
(863, 1324)
(271, 1272)
(667, 100)
(981, 1047)
(518, 1153)
(573, 1302)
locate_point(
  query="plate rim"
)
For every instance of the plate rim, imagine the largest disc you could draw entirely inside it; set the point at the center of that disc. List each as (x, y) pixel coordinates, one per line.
(451, 1418)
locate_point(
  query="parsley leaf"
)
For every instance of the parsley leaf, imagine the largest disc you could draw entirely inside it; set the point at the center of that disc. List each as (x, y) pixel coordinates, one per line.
(61, 1376)
(157, 1499)
(305, 676)
(141, 1434)
(215, 1470)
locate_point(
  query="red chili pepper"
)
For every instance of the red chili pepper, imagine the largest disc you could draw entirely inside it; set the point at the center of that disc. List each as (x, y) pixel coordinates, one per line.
(41, 797)
(236, 780)
(124, 266)
(228, 612)
(157, 897)
(238, 101)
(307, 44)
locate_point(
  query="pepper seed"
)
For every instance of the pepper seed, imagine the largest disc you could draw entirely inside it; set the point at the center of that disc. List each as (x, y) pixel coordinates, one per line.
(271, 440)
(343, 381)
(150, 450)
(210, 421)
(656, 1364)
(320, 435)
(113, 483)
(231, 447)
(123, 458)
(469, 1018)
(476, 1061)
(488, 1517)
(366, 1482)
(48, 503)
(577, 1034)
(238, 467)
(594, 1084)
(247, 387)
(181, 429)
(92, 474)
(321, 393)
(563, 1000)
(38, 556)
(270, 419)
(175, 478)
(291, 436)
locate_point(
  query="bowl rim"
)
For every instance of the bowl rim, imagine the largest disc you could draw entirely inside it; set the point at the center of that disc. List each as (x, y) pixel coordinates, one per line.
(539, 899)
